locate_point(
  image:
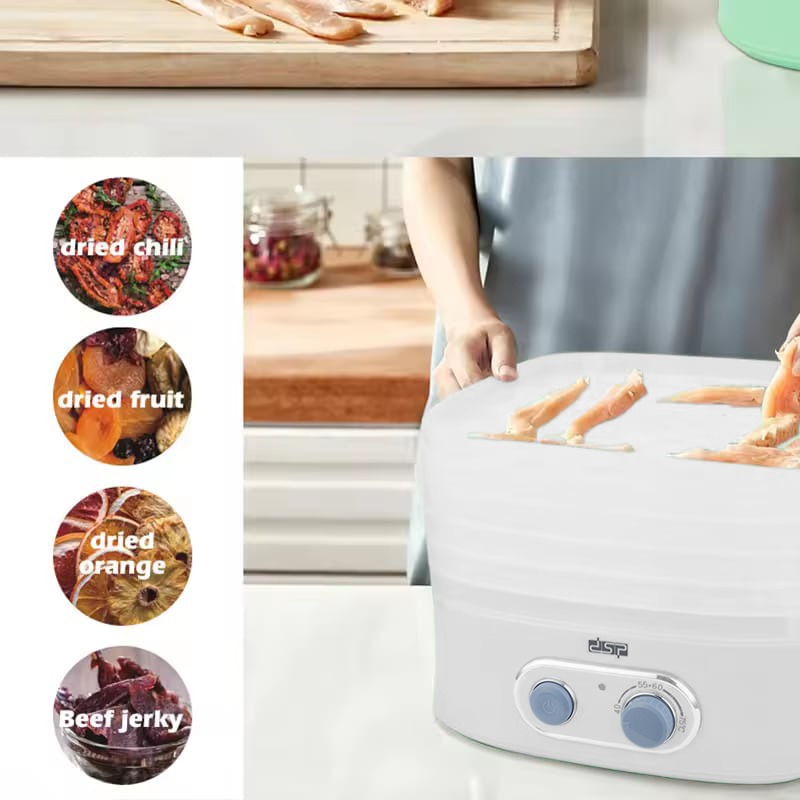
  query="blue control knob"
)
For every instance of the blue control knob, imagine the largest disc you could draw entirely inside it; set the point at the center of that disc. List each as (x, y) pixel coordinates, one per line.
(647, 721)
(552, 703)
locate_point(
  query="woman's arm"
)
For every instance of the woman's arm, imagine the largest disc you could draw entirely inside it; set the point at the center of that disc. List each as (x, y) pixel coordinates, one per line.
(442, 222)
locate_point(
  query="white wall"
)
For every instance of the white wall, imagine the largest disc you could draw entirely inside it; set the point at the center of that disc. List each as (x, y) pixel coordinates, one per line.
(355, 186)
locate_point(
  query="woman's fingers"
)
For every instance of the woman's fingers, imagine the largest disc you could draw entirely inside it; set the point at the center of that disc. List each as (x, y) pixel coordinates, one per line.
(481, 349)
(794, 332)
(503, 349)
(444, 381)
(465, 358)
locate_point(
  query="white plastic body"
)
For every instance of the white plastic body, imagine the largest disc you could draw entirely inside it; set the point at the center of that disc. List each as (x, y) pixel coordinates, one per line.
(536, 550)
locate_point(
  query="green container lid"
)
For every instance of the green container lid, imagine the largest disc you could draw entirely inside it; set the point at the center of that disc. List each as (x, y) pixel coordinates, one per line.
(768, 30)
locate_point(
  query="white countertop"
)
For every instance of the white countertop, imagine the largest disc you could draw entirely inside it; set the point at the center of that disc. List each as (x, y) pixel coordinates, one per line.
(669, 84)
(338, 706)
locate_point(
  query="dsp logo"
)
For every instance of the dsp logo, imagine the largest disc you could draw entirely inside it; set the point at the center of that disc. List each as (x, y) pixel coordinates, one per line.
(608, 648)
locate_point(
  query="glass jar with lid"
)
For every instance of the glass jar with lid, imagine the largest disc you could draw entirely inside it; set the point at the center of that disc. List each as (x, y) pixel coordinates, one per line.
(282, 237)
(388, 238)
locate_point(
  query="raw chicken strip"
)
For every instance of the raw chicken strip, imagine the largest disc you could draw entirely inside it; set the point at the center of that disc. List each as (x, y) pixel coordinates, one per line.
(231, 15)
(367, 9)
(504, 437)
(433, 8)
(749, 455)
(531, 439)
(577, 441)
(616, 402)
(774, 432)
(783, 394)
(528, 420)
(738, 396)
(316, 17)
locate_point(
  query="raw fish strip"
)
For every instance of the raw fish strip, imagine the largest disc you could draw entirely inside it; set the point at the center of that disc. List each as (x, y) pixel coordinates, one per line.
(748, 455)
(738, 396)
(774, 432)
(616, 402)
(231, 15)
(433, 8)
(793, 447)
(527, 421)
(312, 16)
(783, 394)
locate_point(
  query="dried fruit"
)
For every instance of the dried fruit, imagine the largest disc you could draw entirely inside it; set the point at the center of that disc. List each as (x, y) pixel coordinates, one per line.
(135, 601)
(92, 596)
(106, 374)
(165, 370)
(170, 429)
(120, 387)
(122, 533)
(98, 430)
(145, 448)
(137, 422)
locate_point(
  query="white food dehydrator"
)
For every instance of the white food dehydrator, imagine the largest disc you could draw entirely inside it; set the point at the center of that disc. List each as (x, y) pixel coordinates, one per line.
(625, 610)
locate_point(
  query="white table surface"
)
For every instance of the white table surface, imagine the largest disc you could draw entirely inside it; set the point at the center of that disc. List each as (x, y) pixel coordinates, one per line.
(669, 84)
(338, 706)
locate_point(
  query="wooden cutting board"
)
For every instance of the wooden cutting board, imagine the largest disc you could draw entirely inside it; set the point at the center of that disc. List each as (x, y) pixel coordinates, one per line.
(353, 348)
(154, 43)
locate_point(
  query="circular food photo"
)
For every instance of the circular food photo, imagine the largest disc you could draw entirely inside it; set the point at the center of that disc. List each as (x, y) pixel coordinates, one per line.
(122, 396)
(122, 556)
(122, 246)
(122, 715)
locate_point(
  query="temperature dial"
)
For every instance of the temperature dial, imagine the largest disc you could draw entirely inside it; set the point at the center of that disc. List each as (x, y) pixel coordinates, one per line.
(647, 720)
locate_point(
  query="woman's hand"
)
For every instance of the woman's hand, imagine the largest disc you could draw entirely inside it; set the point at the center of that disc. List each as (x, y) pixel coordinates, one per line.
(475, 350)
(794, 333)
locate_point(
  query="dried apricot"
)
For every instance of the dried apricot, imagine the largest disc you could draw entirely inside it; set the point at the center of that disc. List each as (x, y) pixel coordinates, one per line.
(106, 376)
(118, 462)
(138, 422)
(68, 379)
(98, 430)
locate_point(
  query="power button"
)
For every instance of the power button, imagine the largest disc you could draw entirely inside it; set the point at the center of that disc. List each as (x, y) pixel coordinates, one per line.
(552, 702)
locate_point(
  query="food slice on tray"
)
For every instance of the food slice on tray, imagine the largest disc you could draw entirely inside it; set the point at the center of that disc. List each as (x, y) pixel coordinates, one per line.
(619, 399)
(774, 431)
(336, 20)
(232, 15)
(774, 443)
(750, 455)
(524, 423)
(783, 394)
(433, 8)
(736, 396)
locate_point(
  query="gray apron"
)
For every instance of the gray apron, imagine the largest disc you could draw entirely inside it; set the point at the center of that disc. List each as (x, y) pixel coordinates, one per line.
(683, 256)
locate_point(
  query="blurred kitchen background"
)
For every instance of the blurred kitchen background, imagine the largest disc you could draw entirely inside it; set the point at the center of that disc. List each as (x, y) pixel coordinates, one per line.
(338, 330)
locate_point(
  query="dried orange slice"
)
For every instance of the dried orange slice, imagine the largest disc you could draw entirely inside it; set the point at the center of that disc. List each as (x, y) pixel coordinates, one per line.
(110, 526)
(134, 601)
(92, 597)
